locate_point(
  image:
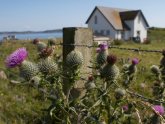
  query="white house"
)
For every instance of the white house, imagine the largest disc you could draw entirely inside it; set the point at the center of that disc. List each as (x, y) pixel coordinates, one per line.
(118, 23)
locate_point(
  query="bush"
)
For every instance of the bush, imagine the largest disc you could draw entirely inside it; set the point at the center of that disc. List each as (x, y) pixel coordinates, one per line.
(117, 42)
(147, 41)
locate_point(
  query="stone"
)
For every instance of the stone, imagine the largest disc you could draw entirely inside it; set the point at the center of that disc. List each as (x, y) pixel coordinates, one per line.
(3, 75)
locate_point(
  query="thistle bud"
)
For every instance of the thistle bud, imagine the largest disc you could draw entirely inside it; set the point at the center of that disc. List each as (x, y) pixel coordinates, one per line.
(155, 69)
(110, 71)
(102, 53)
(35, 81)
(119, 93)
(28, 70)
(74, 59)
(46, 52)
(47, 66)
(36, 41)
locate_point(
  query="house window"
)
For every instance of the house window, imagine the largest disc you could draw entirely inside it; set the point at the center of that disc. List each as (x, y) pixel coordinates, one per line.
(122, 34)
(95, 19)
(108, 32)
(102, 32)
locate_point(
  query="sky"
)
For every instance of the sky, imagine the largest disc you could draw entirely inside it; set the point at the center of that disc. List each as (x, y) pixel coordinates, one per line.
(39, 15)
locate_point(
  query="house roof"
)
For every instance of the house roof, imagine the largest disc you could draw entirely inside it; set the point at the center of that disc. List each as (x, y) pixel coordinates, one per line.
(116, 16)
(129, 15)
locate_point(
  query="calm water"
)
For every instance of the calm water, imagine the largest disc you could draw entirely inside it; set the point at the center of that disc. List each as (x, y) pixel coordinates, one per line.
(34, 35)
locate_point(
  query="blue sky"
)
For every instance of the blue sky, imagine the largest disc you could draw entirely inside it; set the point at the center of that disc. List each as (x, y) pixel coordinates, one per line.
(21, 15)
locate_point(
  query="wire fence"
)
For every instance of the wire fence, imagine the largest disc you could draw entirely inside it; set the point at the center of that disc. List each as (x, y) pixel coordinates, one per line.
(113, 47)
(133, 94)
(120, 48)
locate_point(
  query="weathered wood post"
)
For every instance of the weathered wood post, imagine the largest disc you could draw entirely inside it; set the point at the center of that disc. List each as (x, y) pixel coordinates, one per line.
(72, 37)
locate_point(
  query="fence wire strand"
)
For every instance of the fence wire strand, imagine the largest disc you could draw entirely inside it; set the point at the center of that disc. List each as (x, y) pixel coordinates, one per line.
(113, 47)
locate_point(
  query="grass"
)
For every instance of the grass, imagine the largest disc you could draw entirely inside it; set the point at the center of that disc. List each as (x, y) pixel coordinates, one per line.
(20, 104)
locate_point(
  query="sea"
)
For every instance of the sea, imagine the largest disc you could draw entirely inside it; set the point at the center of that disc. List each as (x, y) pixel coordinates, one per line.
(30, 36)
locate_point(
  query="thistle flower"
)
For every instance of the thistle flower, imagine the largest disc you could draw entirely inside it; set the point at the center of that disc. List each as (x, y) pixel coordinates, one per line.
(103, 46)
(46, 52)
(135, 61)
(90, 78)
(131, 69)
(36, 40)
(98, 50)
(159, 109)
(111, 59)
(16, 58)
(102, 53)
(125, 108)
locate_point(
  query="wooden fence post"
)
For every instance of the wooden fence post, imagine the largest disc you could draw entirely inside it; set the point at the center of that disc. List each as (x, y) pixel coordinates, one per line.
(75, 36)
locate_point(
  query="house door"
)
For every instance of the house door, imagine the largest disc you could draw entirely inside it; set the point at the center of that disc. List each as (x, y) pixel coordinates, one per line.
(122, 35)
(138, 36)
(138, 33)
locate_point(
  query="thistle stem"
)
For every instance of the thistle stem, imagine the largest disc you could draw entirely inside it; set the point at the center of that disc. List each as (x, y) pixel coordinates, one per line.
(67, 96)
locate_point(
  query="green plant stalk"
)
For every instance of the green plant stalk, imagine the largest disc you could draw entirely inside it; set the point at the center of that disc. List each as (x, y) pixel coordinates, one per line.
(100, 110)
(108, 111)
(68, 120)
(59, 86)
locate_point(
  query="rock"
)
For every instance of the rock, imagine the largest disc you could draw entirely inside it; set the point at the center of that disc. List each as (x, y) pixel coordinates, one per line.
(2, 75)
(15, 82)
(143, 85)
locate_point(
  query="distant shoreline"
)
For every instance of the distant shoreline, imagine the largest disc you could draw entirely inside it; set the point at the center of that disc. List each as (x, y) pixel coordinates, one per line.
(31, 35)
(31, 32)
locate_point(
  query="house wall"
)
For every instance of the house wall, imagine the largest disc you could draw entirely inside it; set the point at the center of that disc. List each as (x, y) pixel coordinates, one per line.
(118, 35)
(102, 25)
(130, 33)
(140, 26)
(127, 35)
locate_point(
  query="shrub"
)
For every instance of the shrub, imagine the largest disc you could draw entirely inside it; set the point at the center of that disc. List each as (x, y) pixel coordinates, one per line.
(147, 41)
(117, 42)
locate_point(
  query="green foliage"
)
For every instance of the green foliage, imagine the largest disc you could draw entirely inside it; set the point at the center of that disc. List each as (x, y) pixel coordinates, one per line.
(102, 57)
(117, 42)
(20, 104)
(23, 103)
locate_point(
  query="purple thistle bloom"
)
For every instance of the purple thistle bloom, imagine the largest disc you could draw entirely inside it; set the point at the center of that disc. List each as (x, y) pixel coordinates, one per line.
(159, 109)
(16, 58)
(135, 61)
(125, 108)
(98, 50)
(103, 46)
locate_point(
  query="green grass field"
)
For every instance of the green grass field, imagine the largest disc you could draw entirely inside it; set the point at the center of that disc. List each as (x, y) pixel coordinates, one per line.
(21, 104)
